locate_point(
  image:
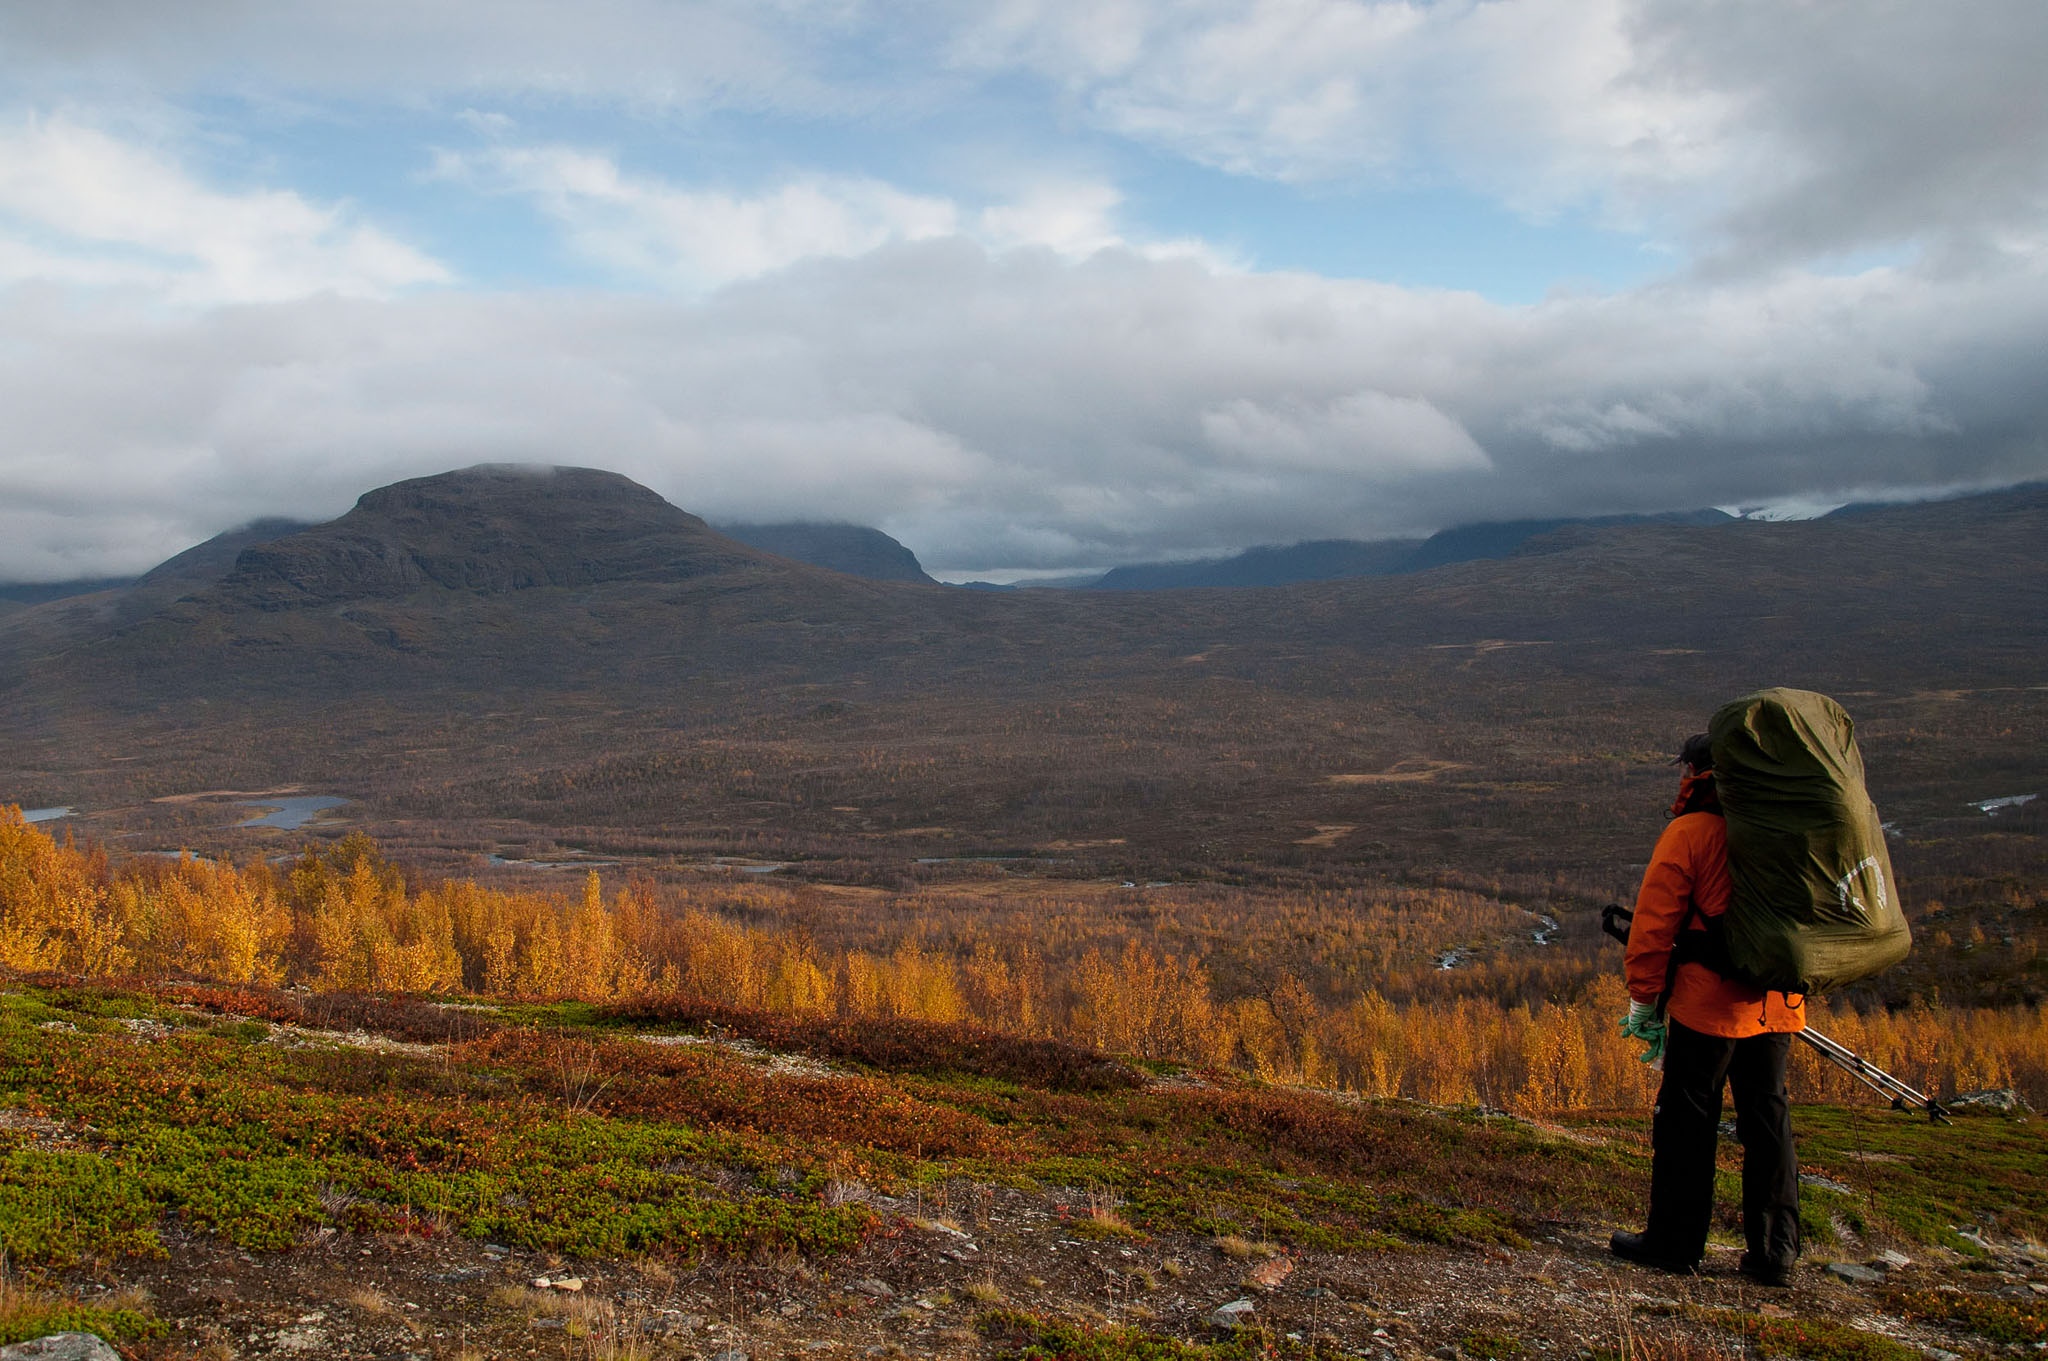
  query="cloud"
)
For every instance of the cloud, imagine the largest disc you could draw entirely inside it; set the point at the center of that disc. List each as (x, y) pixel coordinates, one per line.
(1017, 409)
(1756, 133)
(1369, 435)
(1073, 219)
(1849, 126)
(1750, 135)
(1536, 102)
(78, 206)
(649, 229)
(643, 227)
(1001, 365)
(651, 54)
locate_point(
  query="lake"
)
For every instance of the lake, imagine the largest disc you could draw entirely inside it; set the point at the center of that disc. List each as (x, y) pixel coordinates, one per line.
(290, 814)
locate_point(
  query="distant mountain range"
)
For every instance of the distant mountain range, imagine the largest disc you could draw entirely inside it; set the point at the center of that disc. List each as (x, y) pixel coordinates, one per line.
(524, 652)
(1336, 559)
(21, 593)
(872, 555)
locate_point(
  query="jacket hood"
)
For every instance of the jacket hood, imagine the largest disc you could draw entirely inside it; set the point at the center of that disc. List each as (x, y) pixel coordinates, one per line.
(1696, 794)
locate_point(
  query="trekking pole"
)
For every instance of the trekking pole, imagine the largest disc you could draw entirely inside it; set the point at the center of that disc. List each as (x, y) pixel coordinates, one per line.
(1614, 920)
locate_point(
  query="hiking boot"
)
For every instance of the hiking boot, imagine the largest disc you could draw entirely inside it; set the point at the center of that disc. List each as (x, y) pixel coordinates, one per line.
(1637, 1248)
(1764, 1271)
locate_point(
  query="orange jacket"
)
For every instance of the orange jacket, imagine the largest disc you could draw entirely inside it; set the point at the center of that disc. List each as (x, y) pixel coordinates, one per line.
(1690, 868)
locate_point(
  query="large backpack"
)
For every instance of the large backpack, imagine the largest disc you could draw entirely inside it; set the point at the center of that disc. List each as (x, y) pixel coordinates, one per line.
(1815, 904)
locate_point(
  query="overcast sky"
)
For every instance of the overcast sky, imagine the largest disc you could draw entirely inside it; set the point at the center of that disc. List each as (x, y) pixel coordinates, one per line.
(1031, 284)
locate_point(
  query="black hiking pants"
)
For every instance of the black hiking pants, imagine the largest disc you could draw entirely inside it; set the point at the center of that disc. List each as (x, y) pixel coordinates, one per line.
(1686, 1129)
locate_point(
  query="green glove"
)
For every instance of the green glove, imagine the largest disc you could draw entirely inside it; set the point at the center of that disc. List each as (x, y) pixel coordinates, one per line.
(1643, 1023)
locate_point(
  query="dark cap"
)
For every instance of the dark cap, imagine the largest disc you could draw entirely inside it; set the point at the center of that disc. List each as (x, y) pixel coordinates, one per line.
(1698, 752)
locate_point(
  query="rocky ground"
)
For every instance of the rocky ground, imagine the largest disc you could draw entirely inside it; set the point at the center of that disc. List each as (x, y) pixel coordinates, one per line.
(920, 1288)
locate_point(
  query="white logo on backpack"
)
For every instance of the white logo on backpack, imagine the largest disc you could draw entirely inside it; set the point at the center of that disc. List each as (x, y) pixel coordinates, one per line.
(1868, 862)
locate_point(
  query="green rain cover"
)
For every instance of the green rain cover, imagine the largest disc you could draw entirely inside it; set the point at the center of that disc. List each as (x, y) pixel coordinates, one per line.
(1815, 903)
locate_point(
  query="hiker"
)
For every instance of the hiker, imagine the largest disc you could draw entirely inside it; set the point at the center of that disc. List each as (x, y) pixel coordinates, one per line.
(1710, 1031)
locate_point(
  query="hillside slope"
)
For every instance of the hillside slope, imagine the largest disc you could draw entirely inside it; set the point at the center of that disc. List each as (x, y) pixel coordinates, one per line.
(346, 1175)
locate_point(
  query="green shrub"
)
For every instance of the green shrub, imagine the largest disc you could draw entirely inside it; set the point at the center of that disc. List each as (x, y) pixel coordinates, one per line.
(1999, 1320)
(58, 1208)
(1815, 1339)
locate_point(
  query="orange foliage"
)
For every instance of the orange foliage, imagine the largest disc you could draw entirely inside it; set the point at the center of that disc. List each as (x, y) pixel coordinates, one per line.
(342, 919)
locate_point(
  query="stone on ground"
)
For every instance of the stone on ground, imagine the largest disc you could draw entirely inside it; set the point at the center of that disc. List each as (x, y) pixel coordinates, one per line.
(1232, 1315)
(1269, 1274)
(61, 1347)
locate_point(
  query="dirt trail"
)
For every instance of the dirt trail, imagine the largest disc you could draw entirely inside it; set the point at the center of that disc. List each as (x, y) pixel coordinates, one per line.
(918, 1286)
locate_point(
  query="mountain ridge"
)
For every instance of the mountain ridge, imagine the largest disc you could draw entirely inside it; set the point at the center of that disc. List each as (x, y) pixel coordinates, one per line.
(856, 550)
(1337, 559)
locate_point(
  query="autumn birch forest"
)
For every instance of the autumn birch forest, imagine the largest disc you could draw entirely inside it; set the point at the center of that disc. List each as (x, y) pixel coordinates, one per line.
(1341, 989)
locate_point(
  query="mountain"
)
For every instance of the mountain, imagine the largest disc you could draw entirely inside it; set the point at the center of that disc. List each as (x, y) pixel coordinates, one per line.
(24, 593)
(1855, 508)
(489, 529)
(1503, 538)
(1336, 559)
(564, 654)
(1316, 560)
(853, 549)
(489, 576)
(206, 563)
(199, 566)
(121, 600)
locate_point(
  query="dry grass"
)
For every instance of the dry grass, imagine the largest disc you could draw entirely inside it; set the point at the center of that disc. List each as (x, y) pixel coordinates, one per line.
(576, 1308)
(839, 1192)
(983, 1292)
(25, 1305)
(1244, 1250)
(607, 1332)
(377, 1304)
(17, 1298)
(1105, 1223)
(621, 1341)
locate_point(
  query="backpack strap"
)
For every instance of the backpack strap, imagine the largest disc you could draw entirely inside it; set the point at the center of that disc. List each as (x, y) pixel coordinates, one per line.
(1707, 946)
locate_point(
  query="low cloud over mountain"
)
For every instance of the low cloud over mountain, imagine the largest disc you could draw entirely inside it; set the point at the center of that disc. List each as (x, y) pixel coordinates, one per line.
(1026, 290)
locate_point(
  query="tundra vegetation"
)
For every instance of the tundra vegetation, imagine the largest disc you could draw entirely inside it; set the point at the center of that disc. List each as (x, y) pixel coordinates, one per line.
(666, 1084)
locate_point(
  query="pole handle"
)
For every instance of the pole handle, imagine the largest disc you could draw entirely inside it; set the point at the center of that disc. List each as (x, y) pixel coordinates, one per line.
(1615, 919)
